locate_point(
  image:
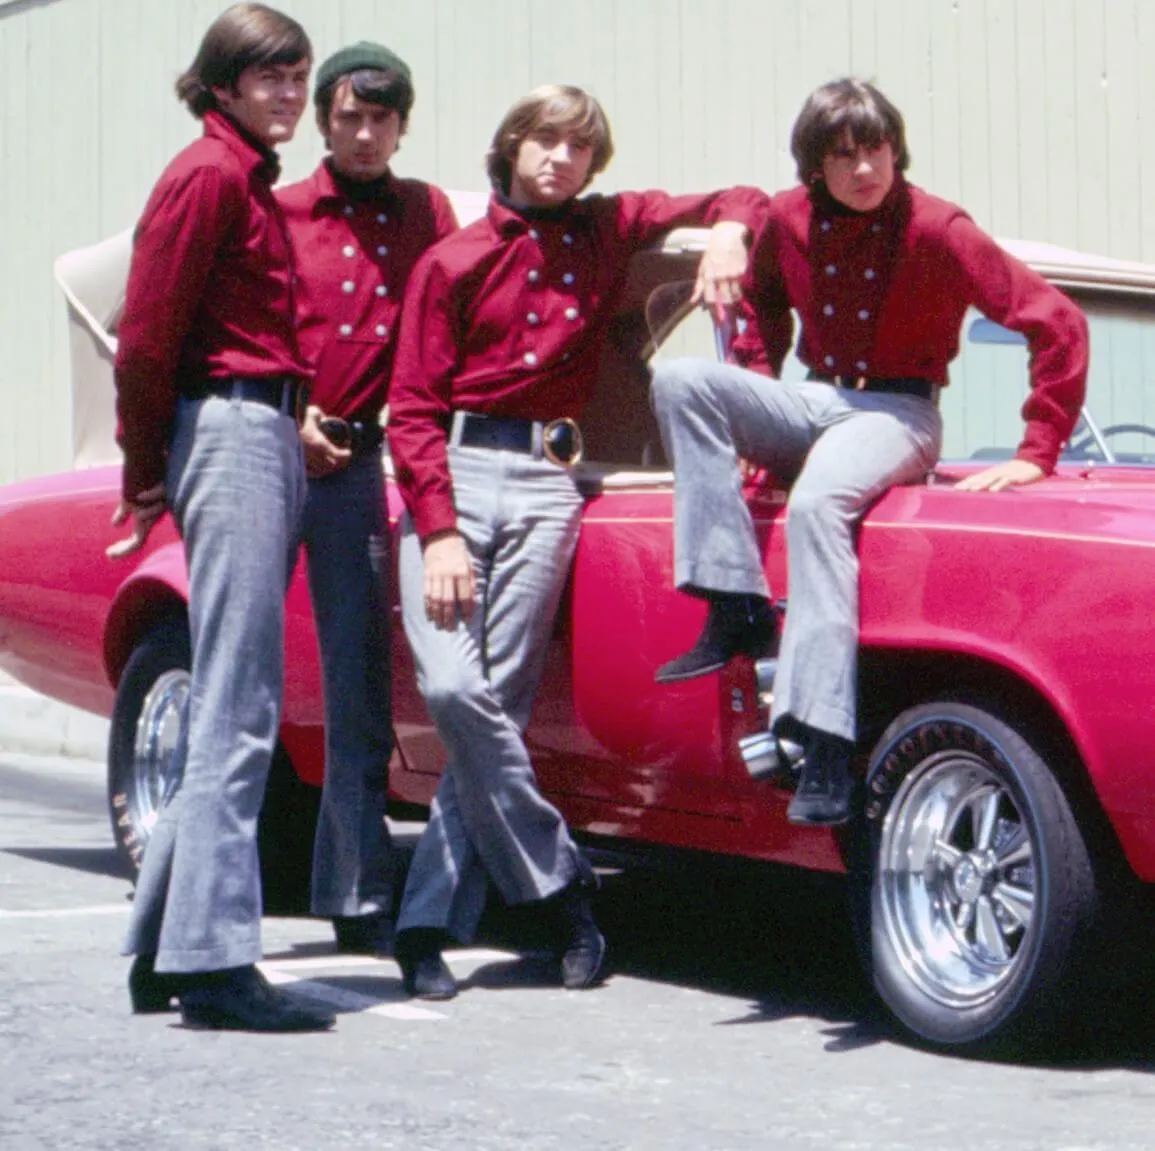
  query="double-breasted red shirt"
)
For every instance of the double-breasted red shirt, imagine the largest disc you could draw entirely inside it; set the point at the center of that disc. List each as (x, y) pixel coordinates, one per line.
(883, 294)
(356, 247)
(210, 291)
(508, 317)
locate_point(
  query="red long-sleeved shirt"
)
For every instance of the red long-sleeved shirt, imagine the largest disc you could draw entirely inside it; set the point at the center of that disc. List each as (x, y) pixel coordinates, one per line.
(209, 293)
(354, 257)
(508, 317)
(884, 293)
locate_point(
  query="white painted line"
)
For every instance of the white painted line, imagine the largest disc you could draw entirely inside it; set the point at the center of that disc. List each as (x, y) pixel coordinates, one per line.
(479, 955)
(289, 973)
(326, 962)
(317, 962)
(67, 912)
(346, 1000)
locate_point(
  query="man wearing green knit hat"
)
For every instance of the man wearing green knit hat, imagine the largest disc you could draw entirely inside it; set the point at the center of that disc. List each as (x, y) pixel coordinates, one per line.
(357, 231)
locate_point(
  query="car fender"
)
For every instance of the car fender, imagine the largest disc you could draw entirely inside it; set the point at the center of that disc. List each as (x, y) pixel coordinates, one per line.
(158, 587)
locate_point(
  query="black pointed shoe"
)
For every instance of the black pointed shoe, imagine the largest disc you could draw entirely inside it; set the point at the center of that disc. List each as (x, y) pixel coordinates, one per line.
(364, 934)
(240, 999)
(424, 971)
(826, 785)
(151, 991)
(735, 625)
(583, 947)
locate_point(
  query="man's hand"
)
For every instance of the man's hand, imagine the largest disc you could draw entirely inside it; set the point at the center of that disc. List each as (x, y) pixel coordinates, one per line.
(1011, 474)
(322, 456)
(719, 283)
(144, 511)
(448, 580)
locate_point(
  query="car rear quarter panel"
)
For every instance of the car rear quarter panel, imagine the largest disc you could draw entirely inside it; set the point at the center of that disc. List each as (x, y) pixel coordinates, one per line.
(1053, 585)
(1050, 586)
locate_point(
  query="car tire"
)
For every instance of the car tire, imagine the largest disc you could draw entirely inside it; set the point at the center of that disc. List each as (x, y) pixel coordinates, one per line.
(972, 890)
(143, 734)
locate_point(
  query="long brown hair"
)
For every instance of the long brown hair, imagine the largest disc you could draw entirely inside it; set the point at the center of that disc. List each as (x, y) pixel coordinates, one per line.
(241, 36)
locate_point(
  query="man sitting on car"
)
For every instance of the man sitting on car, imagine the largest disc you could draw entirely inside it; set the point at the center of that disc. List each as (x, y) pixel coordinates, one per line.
(881, 274)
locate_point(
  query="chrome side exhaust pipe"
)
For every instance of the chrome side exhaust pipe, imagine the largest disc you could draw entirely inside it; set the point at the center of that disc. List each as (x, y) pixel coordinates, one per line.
(763, 753)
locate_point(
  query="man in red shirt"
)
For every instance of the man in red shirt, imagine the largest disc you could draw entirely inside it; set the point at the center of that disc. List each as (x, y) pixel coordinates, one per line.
(357, 231)
(503, 326)
(881, 274)
(209, 381)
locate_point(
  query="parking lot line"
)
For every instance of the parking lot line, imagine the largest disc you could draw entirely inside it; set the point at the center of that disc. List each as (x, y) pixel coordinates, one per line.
(291, 973)
(66, 912)
(344, 999)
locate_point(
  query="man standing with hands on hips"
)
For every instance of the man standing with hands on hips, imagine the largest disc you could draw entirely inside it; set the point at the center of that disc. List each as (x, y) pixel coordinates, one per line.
(500, 341)
(357, 231)
(210, 380)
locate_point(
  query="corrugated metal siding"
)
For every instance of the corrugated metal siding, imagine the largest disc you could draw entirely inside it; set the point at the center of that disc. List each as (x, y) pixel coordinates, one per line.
(1031, 113)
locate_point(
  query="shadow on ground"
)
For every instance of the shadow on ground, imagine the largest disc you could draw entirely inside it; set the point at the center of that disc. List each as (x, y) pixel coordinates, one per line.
(777, 940)
(90, 860)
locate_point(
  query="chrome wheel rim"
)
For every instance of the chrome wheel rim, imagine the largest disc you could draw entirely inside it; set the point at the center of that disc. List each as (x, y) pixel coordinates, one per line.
(957, 879)
(154, 750)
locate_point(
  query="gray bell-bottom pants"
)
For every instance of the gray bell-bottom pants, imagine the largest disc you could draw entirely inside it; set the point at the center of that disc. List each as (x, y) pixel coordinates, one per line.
(843, 449)
(489, 822)
(236, 488)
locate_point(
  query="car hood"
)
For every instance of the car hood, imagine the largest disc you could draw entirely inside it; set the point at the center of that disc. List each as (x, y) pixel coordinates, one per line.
(1107, 503)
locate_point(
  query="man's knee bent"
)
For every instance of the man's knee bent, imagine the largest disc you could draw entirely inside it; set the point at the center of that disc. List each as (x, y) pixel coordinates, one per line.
(812, 508)
(679, 383)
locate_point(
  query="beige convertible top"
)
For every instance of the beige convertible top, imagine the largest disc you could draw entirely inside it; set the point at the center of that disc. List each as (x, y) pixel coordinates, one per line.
(93, 281)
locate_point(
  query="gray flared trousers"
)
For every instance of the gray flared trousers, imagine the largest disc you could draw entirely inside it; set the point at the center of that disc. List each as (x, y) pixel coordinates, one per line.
(489, 822)
(236, 488)
(345, 534)
(843, 449)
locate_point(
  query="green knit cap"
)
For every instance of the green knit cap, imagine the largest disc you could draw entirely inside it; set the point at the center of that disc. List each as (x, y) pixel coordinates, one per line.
(357, 56)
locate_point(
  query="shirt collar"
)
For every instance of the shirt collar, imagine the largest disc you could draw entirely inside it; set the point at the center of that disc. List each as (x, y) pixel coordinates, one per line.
(254, 155)
(332, 188)
(827, 207)
(508, 220)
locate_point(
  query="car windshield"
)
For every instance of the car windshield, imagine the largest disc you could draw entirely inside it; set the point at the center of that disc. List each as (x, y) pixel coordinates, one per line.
(981, 408)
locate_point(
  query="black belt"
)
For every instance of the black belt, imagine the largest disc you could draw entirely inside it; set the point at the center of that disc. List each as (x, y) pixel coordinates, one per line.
(356, 435)
(559, 441)
(287, 394)
(900, 385)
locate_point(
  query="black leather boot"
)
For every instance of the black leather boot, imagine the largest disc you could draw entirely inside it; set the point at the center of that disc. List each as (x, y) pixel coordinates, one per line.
(424, 972)
(735, 625)
(240, 999)
(583, 947)
(826, 785)
(151, 991)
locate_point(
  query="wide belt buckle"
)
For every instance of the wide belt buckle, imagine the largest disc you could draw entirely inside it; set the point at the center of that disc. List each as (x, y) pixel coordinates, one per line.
(561, 442)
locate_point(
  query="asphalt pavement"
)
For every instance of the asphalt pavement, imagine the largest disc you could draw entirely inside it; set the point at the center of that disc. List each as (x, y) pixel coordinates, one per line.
(736, 1017)
(33, 723)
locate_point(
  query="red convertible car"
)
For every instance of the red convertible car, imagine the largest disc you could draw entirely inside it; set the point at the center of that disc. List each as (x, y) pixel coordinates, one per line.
(1006, 668)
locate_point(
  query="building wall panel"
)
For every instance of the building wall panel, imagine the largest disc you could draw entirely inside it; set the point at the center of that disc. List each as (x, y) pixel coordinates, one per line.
(1031, 113)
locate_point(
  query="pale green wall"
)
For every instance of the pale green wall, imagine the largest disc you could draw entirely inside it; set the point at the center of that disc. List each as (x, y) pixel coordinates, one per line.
(1031, 113)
